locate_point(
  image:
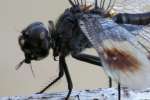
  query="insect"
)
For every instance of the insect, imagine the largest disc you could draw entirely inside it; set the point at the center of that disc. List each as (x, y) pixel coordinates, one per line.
(84, 26)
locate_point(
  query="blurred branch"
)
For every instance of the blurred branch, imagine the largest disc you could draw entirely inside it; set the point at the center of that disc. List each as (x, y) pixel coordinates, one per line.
(97, 94)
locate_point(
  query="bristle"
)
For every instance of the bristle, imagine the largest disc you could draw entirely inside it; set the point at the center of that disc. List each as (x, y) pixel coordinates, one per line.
(81, 2)
(103, 4)
(78, 2)
(110, 6)
(101, 1)
(75, 2)
(110, 1)
(71, 2)
(96, 4)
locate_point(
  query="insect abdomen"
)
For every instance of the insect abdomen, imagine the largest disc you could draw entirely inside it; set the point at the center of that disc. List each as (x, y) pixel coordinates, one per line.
(137, 19)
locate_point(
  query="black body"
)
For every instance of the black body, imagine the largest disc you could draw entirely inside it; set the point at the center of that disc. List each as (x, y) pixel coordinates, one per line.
(66, 38)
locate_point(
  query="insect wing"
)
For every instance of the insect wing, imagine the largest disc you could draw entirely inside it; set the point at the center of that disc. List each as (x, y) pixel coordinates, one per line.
(119, 51)
(132, 6)
(142, 34)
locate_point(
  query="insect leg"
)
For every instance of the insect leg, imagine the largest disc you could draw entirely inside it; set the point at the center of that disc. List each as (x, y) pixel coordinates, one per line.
(119, 91)
(92, 60)
(110, 82)
(69, 81)
(88, 58)
(61, 73)
(137, 19)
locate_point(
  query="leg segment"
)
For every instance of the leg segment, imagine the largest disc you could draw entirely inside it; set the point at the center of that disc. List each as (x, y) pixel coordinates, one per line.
(61, 73)
(69, 81)
(110, 82)
(119, 91)
(88, 58)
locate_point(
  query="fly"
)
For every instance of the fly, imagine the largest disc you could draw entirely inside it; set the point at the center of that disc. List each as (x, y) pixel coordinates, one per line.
(121, 51)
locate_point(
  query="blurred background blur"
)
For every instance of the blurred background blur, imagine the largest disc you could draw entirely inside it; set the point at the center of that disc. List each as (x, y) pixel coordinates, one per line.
(15, 15)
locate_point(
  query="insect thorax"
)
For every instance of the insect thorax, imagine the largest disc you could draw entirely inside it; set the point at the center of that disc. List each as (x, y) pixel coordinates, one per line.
(68, 35)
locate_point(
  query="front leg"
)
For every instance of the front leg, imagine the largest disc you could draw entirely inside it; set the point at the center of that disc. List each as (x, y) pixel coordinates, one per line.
(60, 75)
(92, 60)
